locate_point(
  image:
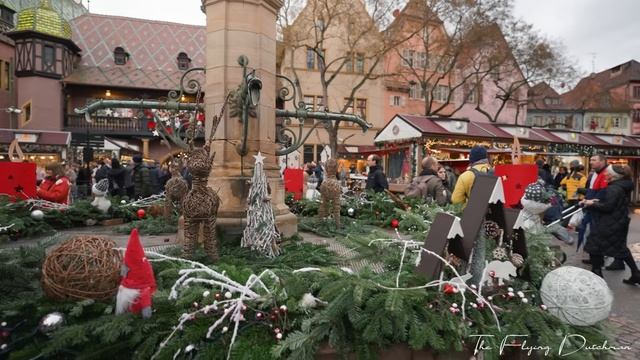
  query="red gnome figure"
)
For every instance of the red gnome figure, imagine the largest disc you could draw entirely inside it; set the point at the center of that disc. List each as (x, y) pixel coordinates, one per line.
(138, 283)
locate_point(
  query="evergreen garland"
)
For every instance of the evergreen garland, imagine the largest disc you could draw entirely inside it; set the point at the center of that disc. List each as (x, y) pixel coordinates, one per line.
(354, 313)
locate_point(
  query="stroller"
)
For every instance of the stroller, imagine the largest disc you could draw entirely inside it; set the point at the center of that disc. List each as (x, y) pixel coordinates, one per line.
(554, 216)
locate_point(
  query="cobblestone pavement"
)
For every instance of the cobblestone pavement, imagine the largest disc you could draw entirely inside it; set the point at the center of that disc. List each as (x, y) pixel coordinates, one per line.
(625, 314)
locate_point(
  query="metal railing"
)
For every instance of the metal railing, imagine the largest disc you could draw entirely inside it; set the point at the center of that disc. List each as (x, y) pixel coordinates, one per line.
(107, 125)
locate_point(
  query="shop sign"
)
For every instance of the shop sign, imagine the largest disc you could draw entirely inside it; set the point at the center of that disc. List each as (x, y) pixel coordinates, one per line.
(26, 138)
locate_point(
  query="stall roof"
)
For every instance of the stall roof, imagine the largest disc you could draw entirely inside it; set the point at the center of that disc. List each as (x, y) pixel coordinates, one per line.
(405, 128)
(60, 138)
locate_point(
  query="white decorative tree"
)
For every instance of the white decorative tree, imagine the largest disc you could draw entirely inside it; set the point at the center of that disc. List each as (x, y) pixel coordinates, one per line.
(260, 234)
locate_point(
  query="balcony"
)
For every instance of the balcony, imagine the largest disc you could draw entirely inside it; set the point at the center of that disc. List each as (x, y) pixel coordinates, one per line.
(107, 125)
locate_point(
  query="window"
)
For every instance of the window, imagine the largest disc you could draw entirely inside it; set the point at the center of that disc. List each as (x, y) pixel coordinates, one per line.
(471, 93)
(349, 63)
(443, 64)
(314, 60)
(396, 100)
(48, 58)
(311, 59)
(360, 63)
(184, 63)
(313, 103)
(407, 57)
(636, 92)
(421, 60)
(441, 93)
(360, 106)
(26, 114)
(120, 56)
(6, 75)
(538, 121)
(568, 121)
(416, 92)
(551, 101)
(358, 60)
(307, 153)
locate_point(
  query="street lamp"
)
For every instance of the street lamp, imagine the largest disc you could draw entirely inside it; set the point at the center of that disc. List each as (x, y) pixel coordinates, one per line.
(12, 110)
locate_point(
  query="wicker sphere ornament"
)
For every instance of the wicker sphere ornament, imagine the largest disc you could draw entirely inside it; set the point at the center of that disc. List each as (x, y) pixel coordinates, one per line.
(517, 260)
(37, 215)
(576, 296)
(83, 267)
(141, 213)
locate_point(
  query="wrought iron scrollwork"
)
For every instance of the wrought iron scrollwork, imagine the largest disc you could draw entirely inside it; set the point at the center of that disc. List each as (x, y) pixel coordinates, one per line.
(188, 85)
(287, 137)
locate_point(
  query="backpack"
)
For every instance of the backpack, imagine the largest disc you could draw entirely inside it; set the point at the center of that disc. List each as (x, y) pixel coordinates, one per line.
(479, 173)
(418, 188)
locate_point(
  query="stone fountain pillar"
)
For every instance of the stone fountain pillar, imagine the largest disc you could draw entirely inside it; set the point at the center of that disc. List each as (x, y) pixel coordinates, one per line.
(234, 28)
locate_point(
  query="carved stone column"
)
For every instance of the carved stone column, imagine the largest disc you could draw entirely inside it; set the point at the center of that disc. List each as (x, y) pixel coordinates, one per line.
(234, 28)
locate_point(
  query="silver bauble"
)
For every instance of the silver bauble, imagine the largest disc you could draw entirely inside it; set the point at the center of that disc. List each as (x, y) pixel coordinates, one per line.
(37, 215)
(351, 212)
(51, 322)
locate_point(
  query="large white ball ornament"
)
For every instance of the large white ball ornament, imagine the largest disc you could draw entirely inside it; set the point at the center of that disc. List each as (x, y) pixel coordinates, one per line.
(576, 296)
(37, 215)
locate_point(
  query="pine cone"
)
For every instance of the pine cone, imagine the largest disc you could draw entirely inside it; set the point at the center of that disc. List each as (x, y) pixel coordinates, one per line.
(491, 229)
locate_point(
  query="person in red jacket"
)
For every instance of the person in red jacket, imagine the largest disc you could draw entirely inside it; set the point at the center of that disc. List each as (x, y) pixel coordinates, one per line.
(56, 185)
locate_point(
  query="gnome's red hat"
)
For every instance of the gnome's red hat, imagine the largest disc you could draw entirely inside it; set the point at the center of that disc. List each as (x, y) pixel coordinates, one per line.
(140, 273)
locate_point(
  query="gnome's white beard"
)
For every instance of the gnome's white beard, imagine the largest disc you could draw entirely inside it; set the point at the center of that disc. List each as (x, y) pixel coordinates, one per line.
(125, 298)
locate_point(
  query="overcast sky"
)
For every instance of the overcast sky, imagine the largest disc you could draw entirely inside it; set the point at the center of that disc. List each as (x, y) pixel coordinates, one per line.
(597, 34)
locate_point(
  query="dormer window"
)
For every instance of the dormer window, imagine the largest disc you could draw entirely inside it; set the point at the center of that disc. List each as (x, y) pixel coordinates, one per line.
(183, 61)
(120, 56)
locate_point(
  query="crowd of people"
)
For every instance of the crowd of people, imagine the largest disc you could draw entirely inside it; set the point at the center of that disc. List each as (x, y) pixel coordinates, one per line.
(604, 195)
(63, 183)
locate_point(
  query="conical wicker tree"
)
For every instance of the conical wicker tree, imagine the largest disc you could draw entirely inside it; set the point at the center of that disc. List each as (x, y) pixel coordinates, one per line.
(260, 234)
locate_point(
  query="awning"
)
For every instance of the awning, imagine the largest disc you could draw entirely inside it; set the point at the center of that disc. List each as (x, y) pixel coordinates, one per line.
(24, 136)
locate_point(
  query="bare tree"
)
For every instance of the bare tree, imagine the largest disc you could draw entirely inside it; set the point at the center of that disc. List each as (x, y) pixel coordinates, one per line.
(357, 46)
(442, 56)
(518, 58)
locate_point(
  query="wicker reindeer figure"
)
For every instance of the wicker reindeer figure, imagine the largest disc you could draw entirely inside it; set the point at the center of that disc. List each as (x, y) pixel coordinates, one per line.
(200, 205)
(330, 191)
(175, 191)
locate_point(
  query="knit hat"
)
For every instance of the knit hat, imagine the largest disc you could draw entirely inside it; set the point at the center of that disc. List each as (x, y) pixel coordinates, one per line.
(477, 153)
(140, 273)
(137, 158)
(536, 192)
(101, 187)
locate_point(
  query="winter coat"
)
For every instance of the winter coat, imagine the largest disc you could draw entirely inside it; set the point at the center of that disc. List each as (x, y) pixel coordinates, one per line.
(376, 180)
(102, 173)
(462, 191)
(54, 190)
(154, 176)
(141, 181)
(574, 182)
(429, 187)
(116, 180)
(610, 221)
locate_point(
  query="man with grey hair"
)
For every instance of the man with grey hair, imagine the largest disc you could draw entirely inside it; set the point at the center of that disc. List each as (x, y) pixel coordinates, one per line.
(428, 185)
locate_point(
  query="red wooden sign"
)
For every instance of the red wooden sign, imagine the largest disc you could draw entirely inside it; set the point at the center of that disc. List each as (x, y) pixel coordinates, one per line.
(18, 180)
(515, 179)
(293, 182)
